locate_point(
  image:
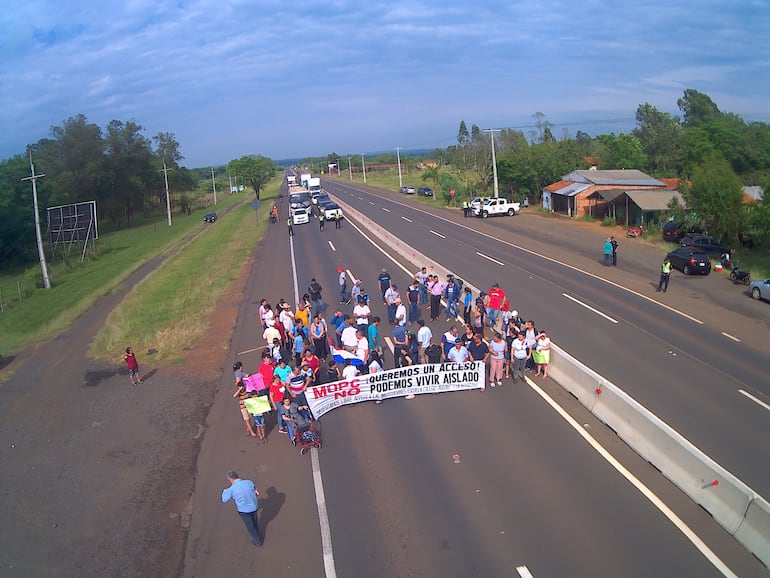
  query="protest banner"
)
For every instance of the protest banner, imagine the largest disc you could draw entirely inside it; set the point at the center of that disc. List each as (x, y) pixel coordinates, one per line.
(416, 379)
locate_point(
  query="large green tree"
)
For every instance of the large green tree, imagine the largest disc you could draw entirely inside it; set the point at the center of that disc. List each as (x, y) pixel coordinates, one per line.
(660, 135)
(255, 170)
(716, 196)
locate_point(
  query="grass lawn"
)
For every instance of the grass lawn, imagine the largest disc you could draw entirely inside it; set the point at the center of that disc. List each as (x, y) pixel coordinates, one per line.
(168, 311)
(42, 314)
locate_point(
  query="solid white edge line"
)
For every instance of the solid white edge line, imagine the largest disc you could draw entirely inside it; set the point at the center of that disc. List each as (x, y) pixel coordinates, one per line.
(323, 517)
(437, 234)
(320, 498)
(645, 491)
(731, 337)
(523, 572)
(487, 257)
(754, 399)
(589, 307)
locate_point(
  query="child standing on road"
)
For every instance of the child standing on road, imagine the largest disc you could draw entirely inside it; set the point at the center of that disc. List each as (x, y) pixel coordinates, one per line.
(133, 366)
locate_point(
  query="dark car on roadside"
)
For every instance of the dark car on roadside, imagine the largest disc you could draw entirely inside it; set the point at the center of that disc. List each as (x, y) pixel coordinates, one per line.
(210, 217)
(690, 261)
(673, 231)
(424, 192)
(707, 244)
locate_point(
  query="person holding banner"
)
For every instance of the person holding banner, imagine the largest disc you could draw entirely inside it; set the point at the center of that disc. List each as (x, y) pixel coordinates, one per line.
(242, 395)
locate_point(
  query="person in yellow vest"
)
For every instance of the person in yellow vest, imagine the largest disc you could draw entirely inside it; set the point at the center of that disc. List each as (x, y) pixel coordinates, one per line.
(466, 208)
(665, 273)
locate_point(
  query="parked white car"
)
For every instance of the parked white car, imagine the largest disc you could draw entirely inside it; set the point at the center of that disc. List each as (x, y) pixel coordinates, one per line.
(332, 212)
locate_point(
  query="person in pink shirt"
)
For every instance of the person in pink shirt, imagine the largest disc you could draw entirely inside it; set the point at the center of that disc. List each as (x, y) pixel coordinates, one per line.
(436, 289)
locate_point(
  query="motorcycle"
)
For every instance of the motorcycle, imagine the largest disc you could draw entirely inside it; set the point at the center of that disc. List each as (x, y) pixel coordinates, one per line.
(738, 276)
(636, 231)
(725, 261)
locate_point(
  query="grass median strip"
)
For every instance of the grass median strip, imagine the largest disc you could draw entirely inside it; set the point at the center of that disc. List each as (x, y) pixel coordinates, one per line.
(168, 312)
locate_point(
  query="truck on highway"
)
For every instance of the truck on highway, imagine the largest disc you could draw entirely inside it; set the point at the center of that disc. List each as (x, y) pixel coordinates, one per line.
(314, 185)
(492, 207)
(291, 179)
(304, 178)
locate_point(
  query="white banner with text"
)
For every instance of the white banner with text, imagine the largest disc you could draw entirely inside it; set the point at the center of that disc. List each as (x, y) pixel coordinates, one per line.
(416, 379)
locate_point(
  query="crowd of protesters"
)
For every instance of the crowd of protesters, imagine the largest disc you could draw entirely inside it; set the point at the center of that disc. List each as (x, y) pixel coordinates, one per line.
(301, 344)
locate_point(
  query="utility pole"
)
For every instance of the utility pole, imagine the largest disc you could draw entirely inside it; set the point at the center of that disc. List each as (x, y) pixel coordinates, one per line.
(214, 185)
(230, 179)
(350, 170)
(492, 132)
(168, 199)
(398, 156)
(363, 166)
(40, 251)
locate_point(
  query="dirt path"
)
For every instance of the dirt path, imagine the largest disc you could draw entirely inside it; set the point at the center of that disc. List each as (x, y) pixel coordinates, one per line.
(97, 473)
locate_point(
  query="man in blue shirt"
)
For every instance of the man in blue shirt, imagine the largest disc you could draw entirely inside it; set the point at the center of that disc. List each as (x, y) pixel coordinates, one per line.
(244, 494)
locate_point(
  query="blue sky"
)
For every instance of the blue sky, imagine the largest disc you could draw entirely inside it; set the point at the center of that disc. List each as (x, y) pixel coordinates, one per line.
(305, 78)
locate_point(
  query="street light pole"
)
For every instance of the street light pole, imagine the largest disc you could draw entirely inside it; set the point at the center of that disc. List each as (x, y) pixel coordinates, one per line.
(363, 166)
(40, 251)
(350, 170)
(168, 199)
(214, 185)
(400, 181)
(492, 132)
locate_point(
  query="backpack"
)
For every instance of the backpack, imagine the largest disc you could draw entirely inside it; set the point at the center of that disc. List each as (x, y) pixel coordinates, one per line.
(434, 353)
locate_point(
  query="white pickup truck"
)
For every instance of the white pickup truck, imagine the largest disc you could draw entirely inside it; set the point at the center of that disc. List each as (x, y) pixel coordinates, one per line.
(491, 207)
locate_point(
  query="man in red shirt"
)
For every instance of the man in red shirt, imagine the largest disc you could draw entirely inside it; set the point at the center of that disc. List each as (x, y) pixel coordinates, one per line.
(496, 297)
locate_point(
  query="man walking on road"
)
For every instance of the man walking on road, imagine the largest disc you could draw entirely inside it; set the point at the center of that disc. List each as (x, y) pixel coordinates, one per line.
(244, 494)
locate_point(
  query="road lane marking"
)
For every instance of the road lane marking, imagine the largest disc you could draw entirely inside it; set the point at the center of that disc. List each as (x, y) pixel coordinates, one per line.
(386, 209)
(405, 219)
(371, 203)
(488, 258)
(360, 198)
(608, 318)
(645, 491)
(332, 246)
(248, 351)
(323, 516)
(352, 278)
(754, 399)
(547, 258)
(523, 572)
(389, 343)
(320, 498)
(731, 337)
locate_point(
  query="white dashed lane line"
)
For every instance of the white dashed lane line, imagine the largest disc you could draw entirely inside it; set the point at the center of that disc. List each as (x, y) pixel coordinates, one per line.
(437, 234)
(488, 258)
(405, 219)
(607, 317)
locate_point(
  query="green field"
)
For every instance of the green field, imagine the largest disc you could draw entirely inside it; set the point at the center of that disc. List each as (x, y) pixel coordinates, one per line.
(42, 314)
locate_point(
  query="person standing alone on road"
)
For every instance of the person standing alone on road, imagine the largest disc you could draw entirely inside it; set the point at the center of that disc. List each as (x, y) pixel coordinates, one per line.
(133, 366)
(665, 273)
(321, 221)
(614, 244)
(244, 494)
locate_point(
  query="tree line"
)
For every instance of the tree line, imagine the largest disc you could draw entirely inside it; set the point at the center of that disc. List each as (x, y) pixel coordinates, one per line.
(117, 166)
(714, 152)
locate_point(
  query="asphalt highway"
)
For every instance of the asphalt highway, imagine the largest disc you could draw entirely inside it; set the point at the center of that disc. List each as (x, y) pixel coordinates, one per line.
(674, 360)
(526, 493)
